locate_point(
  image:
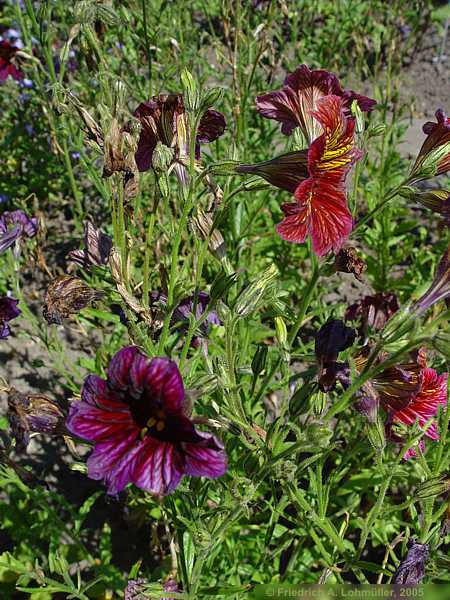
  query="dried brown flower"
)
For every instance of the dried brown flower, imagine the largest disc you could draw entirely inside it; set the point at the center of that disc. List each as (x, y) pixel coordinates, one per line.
(67, 295)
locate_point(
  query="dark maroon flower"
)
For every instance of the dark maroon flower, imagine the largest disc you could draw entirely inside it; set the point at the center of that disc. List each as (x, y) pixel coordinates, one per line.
(8, 312)
(332, 338)
(164, 119)
(33, 414)
(373, 311)
(294, 104)
(7, 58)
(96, 251)
(141, 433)
(411, 570)
(14, 225)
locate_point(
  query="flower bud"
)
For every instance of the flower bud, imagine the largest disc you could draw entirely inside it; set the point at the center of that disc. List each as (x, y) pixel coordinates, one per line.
(376, 130)
(210, 98)
(281, 331)
(300, 403)
(221, 285)
(223, 167)
(432, 487)
(162, 158)
(252, 297)
(190, 90)
(259, 359)
(376, 435)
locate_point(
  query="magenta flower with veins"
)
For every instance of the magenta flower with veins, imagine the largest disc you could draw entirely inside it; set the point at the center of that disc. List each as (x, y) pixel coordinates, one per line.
(137, 420)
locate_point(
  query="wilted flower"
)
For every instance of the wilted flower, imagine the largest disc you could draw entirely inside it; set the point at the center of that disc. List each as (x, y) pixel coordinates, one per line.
(317, 178)
(97, 248)
(67, 295)
(14, 225)
(8, 312)
(348, 261)
(437, 200)
(164, 119)
(440, 287)
(294, 105)
(141, 433)
(332, 338)
(411, 570)
(8, 66)
(33, 414)
(434, 155)
(373, 311)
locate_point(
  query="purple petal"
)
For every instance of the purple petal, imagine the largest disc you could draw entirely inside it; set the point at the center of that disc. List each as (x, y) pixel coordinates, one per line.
(280, 106)
(5, 330)
(207, 459)
(95, 424)
(8, 238)
(164, 383)
(212, 125)
(119, 368)
(158, 468)
(144, 151)
(8, 308)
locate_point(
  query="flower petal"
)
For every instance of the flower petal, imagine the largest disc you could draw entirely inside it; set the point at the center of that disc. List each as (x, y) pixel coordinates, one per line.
(158, 468)
(207, 459)
(211, 126)
(119, 368)
(165, 385)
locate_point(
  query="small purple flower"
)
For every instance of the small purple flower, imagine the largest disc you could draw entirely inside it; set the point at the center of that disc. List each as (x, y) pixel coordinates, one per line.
(8, 66)
(13, 226)
(8, 312)
(137, 420)
(411, 570)
(96, 251)
(185, 310)
(135, 589)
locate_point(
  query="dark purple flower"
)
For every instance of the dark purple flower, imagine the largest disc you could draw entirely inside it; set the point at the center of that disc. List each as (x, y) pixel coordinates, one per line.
(33, 414)
(332, 338)
(136, 419)
(373, 311)
(294, 104)
(8, 312)
(411, 570)
(13, 226)
(96, 251)
(7, 64)
(164, 119)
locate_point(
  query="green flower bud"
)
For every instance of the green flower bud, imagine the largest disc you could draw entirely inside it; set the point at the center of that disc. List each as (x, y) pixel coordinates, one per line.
(432, 487)
(190, 90)
(252, 297)
(259, 359)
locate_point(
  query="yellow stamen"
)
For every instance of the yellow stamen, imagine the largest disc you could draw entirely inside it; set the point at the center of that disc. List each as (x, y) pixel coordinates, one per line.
(143, 432)
(160, 425)
(151, 422)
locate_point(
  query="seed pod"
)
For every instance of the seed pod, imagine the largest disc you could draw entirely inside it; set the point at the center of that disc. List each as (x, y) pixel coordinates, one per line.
(65, 296)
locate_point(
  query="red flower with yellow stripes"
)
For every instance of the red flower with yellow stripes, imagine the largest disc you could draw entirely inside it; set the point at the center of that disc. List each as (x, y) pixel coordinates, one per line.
(316, 177)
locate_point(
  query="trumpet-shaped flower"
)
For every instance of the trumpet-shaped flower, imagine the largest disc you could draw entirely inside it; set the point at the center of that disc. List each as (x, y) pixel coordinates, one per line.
(321, 208)
(137, 421)
(164, 119)
(294, 105)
